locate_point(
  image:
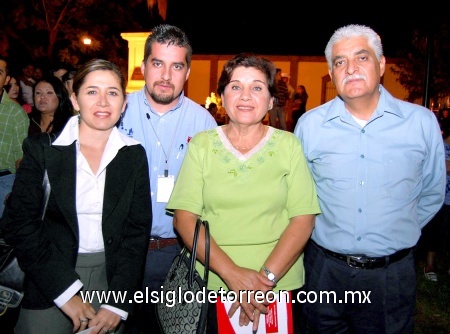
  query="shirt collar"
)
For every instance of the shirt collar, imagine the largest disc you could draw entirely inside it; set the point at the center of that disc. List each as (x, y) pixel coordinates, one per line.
(70, 133)
(4, 96)
(386, 104)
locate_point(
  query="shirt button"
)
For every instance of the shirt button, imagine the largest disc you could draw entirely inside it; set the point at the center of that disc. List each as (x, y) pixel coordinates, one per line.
(358, 238)
(359, 210)
(361, 183)
(363, 131)
(362, 156)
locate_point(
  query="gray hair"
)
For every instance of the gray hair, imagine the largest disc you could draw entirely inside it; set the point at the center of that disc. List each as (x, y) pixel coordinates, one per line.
(350, 31)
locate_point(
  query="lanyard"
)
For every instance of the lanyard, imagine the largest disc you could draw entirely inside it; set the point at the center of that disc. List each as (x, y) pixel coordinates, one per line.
(167, 155)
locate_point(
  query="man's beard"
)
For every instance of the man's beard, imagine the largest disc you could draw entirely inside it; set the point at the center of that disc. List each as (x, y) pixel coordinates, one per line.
(163, 98)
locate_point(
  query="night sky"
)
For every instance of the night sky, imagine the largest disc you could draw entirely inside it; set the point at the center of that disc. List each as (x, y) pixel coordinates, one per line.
(244, 25)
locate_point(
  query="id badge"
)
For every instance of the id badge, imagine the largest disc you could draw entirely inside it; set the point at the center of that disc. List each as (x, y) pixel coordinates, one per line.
(165, 187)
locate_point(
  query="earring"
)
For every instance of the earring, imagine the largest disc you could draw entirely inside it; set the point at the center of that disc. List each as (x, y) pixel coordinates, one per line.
(79, 119)
(270, 107)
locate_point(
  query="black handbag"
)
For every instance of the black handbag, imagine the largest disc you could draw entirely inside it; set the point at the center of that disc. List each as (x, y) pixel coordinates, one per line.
(11, 275)
(184, 312)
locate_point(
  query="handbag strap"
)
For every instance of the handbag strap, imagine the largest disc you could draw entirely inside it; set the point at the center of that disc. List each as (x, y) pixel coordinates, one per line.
(46, 186)
(194, 252)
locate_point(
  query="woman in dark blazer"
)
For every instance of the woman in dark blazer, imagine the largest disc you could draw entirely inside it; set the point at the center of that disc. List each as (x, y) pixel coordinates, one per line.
(94, 236)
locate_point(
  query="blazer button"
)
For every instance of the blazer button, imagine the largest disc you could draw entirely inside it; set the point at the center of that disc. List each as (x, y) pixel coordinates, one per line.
(110, 241)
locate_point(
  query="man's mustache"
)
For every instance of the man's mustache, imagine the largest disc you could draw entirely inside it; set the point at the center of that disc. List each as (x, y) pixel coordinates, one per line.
(353, 77)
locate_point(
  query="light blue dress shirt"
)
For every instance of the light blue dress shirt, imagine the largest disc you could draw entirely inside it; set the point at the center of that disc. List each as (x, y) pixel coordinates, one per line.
(447, 188)
(163, 136)
(378, 185)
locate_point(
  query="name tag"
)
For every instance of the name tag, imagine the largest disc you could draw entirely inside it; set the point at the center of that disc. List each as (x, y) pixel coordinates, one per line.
(165, 187)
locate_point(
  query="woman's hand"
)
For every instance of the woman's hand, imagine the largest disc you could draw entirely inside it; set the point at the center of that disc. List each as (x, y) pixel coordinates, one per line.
(245, 283)
(104, 321)
(78, 312)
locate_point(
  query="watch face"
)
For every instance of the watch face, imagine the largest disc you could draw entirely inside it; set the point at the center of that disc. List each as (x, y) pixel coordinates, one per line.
(271, 276)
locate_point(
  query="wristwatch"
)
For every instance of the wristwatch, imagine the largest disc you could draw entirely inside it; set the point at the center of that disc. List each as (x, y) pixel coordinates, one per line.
(270, 275)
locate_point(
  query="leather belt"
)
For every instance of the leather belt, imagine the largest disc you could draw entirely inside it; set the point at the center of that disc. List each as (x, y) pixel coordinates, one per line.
(158, 243)
(365, 262)
(4, 172)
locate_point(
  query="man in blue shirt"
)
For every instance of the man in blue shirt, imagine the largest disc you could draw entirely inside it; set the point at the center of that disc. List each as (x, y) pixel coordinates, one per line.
(164, 121)
(379, 167)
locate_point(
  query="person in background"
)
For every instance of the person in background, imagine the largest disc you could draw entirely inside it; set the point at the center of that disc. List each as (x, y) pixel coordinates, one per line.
(60, 69)
(269, 164)
(67, 80)
(434, 234)
(38, 73)
(27, 82)
(94, 234)
(286, 78)
(52, 107)
(288, 105)
(444, 118)
(14, 124)
(299, 101)
(212, 108)
(278, 111)
(14, 92)
(378, 164)
(164, 120)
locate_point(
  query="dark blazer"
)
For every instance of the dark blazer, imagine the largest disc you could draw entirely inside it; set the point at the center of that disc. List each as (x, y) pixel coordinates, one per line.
(47, 250)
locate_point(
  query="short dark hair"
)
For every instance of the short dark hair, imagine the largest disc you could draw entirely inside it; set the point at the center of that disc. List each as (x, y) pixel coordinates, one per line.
(248, 60)
(6, 62)
(171, 35)
(68, 75)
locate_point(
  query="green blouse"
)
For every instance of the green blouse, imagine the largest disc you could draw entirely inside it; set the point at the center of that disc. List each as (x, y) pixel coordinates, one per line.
(247, 199)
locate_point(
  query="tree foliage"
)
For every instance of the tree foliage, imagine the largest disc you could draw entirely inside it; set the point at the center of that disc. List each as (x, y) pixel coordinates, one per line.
(426, 66)
(54, 29)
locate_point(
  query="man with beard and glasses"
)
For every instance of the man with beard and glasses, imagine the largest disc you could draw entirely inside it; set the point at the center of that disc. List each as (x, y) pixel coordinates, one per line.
(379, 166)
(164, 120)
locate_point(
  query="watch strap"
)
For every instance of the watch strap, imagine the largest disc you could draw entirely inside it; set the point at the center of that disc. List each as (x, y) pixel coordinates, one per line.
(270, 275)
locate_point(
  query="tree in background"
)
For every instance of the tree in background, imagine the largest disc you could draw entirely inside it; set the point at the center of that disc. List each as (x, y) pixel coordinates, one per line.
(158, 8)
(412, 66)
(54, 29)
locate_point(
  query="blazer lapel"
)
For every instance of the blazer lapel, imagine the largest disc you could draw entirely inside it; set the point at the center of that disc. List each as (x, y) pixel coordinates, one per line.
(117, 174)
(61, 165)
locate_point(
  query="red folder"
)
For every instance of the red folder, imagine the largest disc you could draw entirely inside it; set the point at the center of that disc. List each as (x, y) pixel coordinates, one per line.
(278, 320)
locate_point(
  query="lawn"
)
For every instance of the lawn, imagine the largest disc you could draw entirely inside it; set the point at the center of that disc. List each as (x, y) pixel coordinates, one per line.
(432, 314)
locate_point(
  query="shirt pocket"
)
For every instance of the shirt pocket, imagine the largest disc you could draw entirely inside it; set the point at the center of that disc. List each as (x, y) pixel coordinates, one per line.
(403, 175)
